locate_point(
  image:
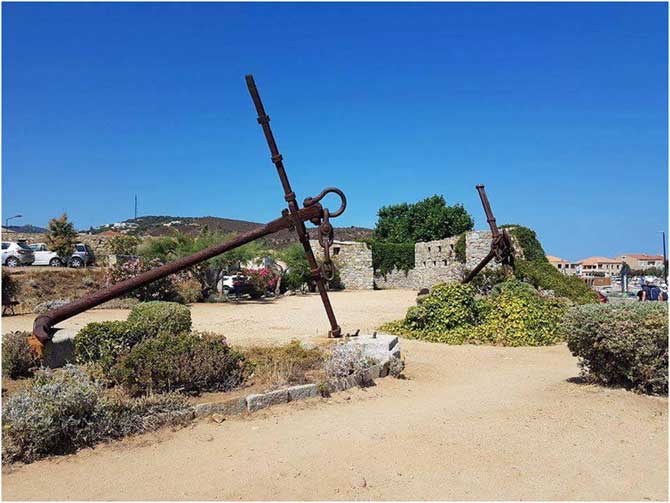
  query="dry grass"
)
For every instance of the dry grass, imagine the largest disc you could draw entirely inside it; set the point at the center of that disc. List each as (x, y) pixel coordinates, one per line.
(41, 284)
(292, 363)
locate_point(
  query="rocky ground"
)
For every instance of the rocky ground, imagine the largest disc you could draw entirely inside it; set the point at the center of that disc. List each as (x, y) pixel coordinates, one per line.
(468, 423)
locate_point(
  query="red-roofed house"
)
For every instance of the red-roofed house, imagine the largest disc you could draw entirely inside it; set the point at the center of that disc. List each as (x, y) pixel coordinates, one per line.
(641, 260)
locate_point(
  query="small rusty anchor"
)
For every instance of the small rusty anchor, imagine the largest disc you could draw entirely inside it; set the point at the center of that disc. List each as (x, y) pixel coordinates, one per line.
(502, 250)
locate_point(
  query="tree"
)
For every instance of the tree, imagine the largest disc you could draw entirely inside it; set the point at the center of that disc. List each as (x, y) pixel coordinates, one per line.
(124, 245)
(210, 272)
(61, 236)
(425, 220)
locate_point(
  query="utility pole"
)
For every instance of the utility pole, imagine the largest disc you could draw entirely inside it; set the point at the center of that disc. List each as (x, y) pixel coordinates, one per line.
(665, 259)
(135, 206)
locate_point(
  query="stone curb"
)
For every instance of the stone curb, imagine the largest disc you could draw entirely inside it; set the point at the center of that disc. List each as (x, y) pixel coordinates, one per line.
(260, 401)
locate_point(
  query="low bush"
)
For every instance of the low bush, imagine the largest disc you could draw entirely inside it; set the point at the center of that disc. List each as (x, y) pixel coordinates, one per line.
(290, 363)
(518, 316)
(543, 275)
(448, 306)
(185, 362)
(514, 314)
(103, 342)
(621, 344)
(151, 318)
(65, 410)
(10, 288)
(18, 358)
(189, 290)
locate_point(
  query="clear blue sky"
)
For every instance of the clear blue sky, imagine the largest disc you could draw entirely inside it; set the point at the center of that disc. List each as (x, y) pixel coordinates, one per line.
(560, 109)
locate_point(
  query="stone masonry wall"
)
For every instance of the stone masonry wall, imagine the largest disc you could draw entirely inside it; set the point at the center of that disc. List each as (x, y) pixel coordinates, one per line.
(353, 260)
(435, 262)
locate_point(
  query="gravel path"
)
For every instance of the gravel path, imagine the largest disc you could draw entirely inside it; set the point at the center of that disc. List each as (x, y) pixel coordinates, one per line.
(469, 423)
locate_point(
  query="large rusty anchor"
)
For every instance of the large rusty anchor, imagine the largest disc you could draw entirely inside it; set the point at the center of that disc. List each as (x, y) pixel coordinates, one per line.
(501, 244)
(292, 218)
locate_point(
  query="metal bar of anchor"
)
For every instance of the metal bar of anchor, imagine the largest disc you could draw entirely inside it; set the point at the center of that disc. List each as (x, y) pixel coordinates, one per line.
(289, 196)
(44, 323)
(487, 209)
(479, 267)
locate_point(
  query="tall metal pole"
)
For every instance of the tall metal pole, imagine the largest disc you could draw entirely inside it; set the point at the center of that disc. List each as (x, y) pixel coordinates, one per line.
(290, 197)
(665, 260)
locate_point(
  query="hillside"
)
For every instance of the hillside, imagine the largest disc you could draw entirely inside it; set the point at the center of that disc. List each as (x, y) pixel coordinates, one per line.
(165, 225)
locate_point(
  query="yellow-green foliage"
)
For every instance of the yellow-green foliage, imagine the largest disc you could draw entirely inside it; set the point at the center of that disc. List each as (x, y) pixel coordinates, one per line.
(513, 315)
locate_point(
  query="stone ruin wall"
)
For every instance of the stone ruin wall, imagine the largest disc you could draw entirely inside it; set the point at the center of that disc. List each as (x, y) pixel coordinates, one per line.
(435, 262)
(353, 260)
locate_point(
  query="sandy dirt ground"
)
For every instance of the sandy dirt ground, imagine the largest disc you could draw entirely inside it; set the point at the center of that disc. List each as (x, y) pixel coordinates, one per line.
(469, 423)
(272, 321)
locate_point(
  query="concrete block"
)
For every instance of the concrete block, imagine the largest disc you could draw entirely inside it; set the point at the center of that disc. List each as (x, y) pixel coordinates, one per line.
(384, 368)
(301, 392)
(60, 349)
(380, 348)
(261, 401)
(231, 407)
(371, 373)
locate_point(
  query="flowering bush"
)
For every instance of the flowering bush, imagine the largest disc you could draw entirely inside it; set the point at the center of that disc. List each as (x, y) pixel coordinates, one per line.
(262, 280)
(161, 289)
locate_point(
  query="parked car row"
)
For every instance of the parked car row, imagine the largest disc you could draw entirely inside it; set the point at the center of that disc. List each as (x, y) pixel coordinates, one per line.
(19, 253)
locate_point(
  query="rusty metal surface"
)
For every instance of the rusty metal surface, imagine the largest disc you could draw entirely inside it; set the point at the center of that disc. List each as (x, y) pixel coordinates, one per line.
(293, 218)
(318, 273)
(502, 250)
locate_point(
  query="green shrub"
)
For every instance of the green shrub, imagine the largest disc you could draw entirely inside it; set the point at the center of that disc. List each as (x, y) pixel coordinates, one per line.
(546, 277)
(621, 344)
(103, 342)
(487, 279)
(513, 315)
(448, 306)
(65, 410)
(186, 362)
(518, 316)
(459, 249)
(18, 358)
(151, 318)
(527, 240)
(389, 256)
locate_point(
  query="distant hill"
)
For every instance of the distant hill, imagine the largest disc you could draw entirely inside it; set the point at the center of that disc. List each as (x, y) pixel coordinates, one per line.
(165, 225)
(26, 229)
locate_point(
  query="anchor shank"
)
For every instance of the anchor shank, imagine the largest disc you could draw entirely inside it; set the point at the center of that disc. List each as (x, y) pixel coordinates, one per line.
(289, 196)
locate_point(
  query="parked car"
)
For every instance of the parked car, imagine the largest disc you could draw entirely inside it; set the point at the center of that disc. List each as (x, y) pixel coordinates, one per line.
(43, 256)
(82, 256)
(15, 254)
(235, 284)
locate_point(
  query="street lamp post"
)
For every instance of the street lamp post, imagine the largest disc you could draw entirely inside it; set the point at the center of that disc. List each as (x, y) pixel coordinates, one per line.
(9, 218)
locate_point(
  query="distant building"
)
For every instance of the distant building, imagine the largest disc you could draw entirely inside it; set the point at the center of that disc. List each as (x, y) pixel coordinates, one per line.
(599, 266)
(565, 266)
(641, 260)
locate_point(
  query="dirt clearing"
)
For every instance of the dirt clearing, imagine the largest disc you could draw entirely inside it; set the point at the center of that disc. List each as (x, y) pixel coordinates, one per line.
(470, 423)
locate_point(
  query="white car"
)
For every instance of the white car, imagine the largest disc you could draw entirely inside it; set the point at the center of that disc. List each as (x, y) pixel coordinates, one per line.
(45, 257)
(15, 254)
